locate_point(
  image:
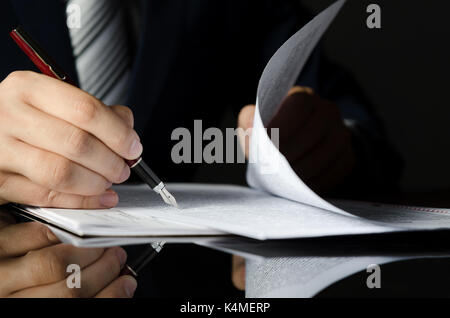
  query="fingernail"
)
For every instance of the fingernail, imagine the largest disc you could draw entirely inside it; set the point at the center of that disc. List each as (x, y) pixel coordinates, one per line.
(130, 285)
(109, 199)
(136, 149)
(121, 256)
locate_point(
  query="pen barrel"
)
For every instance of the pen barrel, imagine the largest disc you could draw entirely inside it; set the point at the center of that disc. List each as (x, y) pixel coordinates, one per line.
(127, 270)
(133, 163)
(144, 172)
(38, 55)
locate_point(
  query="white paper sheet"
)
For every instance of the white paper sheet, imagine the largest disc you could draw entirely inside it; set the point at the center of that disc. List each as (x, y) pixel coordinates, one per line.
(108, 241)
(218, 209)
(129, 218)
(268, 169)
(408, 217)
(247, 212)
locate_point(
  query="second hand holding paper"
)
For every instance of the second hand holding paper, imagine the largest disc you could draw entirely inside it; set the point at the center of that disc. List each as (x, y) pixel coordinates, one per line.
(269, 170)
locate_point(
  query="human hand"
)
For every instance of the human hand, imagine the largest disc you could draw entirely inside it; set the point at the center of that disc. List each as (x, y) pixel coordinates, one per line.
(34, 264)
(313, 138)
(61, 147)
(238, 272)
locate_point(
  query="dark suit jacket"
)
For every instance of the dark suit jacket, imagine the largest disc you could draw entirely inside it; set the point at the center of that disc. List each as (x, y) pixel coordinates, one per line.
(195, 60)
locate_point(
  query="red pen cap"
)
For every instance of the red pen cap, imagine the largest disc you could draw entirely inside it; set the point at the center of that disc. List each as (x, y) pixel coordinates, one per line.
(37, 55)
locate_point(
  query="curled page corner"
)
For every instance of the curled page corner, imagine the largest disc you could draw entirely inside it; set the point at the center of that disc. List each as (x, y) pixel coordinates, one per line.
(268, 170)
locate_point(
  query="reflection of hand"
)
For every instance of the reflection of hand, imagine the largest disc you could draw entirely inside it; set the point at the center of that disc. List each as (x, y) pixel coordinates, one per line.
(61, 147)
(238, 272)
(313, 138)
(34, 264)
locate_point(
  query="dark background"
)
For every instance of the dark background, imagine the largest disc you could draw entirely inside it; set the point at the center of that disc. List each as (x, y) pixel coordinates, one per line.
(403, 69)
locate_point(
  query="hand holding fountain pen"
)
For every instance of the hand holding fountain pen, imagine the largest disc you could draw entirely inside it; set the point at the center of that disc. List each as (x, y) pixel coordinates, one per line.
(48, 67)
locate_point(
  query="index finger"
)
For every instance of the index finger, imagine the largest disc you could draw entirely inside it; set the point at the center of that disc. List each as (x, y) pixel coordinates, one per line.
(73, 105)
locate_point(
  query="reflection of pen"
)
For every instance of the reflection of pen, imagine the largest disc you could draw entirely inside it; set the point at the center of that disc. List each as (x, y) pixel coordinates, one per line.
(138, 264)
(47, 66)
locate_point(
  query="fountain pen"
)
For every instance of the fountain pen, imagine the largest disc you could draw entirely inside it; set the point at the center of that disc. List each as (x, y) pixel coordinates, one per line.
(48, 67)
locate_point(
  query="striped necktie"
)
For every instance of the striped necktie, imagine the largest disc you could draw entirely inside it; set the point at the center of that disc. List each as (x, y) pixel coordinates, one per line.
(101, 50)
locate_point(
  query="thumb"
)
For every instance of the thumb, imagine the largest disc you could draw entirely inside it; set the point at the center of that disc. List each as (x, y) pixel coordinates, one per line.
(245, 123)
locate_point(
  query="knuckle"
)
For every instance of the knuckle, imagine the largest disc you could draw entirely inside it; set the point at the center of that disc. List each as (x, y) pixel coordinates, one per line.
(46, 235)
(128, 114)
(86, 110)
(56, 266)
(122, 140)
(3, 182)
(40, 198)
(128, 111)
(47, 266)
(50, 198)
(41, 233)
(59, 174)
(13, 84)
(18, 77)
(79, 142)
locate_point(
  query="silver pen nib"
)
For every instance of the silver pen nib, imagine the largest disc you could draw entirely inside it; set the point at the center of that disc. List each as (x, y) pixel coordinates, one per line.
(168, 197)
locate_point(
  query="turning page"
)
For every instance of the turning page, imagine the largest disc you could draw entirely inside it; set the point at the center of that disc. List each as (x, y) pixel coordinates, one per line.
(268, 169)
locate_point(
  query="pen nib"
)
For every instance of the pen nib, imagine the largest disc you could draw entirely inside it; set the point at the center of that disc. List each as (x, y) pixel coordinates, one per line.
(168, 198)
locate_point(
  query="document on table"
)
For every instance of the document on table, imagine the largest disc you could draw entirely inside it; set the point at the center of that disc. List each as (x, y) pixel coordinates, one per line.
(206, 210)
(129, 218)
(214, 210)
(244, 211)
